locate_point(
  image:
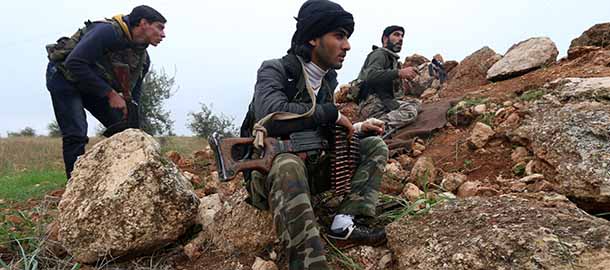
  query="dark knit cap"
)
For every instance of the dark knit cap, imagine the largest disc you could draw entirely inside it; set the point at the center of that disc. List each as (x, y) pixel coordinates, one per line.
(145, 12)
(390, 29)
(318, 17)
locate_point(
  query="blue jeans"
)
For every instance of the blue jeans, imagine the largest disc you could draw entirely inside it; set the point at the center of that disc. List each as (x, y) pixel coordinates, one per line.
(69, 106)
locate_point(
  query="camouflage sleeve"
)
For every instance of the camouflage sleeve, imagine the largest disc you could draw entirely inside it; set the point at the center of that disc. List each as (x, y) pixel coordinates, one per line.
(137, 90)
(269, 97)
(378, 70)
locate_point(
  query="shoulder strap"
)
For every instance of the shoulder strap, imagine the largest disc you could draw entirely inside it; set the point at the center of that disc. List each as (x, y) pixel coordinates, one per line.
(259, 130)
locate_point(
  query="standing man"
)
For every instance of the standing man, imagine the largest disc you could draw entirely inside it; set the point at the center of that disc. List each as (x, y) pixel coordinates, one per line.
(80, 73)
(301, 84)
(382, 76)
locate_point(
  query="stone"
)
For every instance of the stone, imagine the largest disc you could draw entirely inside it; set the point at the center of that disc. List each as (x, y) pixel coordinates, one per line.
(570, 130)
(124, 198)
(472, 70)
(208, 207)
(533, 166)
(405, 161)
(480, 134)
(415, 60)
(531, 178)
(450, 66)
(479, 109)
(394, 171)
(520, 154)
(452, 181)
(524, 231)
(423, 172)
(597, 35)
(260, 264)
(524, 57)
(579, 51)
(428, 93)
(411, 192)
(239, 227)
(468, 189)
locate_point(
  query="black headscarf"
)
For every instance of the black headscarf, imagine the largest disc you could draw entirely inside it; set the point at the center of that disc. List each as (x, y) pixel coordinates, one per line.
(316, 18)
(390, 29)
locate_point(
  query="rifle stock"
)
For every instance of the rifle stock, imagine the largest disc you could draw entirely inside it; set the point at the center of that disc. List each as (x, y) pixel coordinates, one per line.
(228, 167)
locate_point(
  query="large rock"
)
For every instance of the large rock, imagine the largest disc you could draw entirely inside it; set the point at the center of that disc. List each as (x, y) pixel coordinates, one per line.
(524, 57)
(472, 70)
(535, 231)
(415, 60)
(239, 227)
(124, 198)
(598, 35)
(570, 129)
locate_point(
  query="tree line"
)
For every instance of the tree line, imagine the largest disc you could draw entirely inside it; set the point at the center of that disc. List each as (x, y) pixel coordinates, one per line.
(157, 87)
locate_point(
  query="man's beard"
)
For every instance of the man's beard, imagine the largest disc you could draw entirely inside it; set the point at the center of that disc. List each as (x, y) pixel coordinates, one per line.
(395, 47)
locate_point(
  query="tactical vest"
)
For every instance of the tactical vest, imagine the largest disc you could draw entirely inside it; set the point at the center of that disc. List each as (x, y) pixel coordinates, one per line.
(135, 57)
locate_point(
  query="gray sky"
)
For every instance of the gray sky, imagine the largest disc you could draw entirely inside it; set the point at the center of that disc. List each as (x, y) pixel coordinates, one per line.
(215, 47)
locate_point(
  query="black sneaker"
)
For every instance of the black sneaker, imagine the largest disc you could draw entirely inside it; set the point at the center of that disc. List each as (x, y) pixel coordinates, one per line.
(357, 235)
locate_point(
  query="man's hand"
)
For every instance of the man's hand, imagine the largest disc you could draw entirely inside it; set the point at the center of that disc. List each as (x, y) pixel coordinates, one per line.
(408, 73)
(117, 102)
(373, 125)
(344, 121)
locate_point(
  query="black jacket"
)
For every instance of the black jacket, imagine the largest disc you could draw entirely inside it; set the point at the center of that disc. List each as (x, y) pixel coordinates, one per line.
(280, 87)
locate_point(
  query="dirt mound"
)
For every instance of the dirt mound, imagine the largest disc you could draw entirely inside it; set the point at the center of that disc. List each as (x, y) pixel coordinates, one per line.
(533, 231)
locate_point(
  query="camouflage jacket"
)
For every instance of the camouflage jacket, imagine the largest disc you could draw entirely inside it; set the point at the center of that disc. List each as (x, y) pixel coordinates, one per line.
(380, 74)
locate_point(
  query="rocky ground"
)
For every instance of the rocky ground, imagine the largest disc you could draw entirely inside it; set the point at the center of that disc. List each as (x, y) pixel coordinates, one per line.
(517, 179)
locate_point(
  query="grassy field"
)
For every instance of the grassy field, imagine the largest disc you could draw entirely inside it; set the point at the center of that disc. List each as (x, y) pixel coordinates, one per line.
(30, 167)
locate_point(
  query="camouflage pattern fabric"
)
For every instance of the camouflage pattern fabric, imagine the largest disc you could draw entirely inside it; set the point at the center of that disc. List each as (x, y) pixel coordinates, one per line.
(290, 185)
(405, 114)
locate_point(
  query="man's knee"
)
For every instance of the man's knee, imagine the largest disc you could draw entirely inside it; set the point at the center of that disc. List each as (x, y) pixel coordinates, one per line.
(374, 146)
(288, 170)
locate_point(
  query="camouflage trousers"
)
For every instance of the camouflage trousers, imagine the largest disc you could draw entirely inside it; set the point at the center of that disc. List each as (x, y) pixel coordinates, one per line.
(405, 114)
(290, 185)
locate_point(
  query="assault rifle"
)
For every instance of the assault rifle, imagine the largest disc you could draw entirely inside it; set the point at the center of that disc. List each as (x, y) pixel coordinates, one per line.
(229, 165)
(132, 119)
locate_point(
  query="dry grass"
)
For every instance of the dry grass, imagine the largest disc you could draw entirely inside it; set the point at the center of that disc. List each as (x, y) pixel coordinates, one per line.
(20, 154)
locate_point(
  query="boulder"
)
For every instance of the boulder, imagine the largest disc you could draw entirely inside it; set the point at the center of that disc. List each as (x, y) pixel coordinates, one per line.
(569, 129)
(450, 66)
(578, 51)
(124, 198)
(598, 35)
(528, 231)
(524, 57)
(239, 227)
(415, 60)
(472, 70)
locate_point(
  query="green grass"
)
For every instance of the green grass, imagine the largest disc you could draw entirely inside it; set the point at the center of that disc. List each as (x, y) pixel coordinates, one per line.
(465, 105)
(532, 95)
(20, 186)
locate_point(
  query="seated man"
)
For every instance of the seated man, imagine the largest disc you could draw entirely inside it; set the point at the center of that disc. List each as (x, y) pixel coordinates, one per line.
(301, 83)
(383, 95)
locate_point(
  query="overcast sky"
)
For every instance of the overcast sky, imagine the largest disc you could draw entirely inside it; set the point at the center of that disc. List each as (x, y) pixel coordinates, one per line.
(215, 47)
